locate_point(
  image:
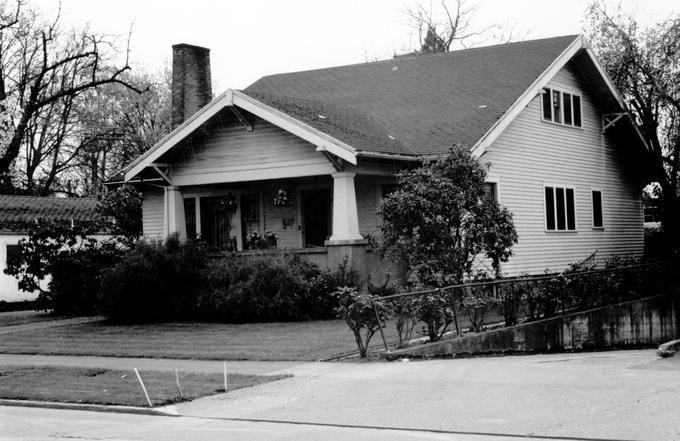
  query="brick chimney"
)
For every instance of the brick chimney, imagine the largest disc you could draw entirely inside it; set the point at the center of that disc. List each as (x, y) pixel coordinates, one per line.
(191, 88)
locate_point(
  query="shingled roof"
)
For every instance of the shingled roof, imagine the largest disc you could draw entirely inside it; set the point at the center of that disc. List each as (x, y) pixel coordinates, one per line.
(412, 105)
(18, 213)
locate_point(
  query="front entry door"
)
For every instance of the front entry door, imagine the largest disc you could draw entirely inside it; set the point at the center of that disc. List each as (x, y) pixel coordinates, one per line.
(316, 217)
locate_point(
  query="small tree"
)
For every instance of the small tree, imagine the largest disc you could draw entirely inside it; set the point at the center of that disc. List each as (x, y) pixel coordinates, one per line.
(439, 220)
(357, 309)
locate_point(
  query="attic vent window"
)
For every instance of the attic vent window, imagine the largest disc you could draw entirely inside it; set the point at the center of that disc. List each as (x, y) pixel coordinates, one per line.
(321, 117)
(561, 107)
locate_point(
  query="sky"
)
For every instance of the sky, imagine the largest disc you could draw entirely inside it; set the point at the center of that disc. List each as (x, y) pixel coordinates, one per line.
(253, 38)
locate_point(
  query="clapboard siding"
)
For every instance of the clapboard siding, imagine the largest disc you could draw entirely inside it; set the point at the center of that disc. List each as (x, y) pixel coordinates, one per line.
(531, 153)
(153, 214)
(232, 154)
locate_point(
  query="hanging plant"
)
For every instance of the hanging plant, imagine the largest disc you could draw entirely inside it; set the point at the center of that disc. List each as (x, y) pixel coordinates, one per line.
(228, 202)
(281, 199)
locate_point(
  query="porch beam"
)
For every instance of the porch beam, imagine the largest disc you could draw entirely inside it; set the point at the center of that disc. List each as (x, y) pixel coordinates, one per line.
(345, 213)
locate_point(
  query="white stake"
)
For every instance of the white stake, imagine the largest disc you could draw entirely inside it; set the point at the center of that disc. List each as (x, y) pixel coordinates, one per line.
(225, 376)
(146, 394)
(179, 388)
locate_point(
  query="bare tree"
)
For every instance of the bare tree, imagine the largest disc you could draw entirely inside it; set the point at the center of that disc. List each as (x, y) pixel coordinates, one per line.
(644, 64)
(446, 28)
(44, 71)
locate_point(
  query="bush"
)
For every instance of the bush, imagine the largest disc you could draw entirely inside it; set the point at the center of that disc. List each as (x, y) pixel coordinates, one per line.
(434, 309)
(155, 282)
(359, 312)
(68, 260)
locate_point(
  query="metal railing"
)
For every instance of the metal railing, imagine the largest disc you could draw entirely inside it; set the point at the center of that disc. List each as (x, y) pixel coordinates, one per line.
(569, 291)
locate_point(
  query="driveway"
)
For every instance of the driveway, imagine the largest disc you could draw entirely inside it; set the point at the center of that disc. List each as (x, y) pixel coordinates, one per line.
(620, 395)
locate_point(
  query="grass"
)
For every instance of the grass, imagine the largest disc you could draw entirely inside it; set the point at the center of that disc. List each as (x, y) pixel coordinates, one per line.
(106, 386)
(209, 341)
(23, 317)
(297, 341)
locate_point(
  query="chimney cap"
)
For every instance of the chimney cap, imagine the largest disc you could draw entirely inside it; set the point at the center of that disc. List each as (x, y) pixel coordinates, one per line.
(190, 46)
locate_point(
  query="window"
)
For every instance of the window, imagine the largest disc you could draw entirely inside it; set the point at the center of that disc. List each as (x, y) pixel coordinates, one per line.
(11, 251)
(490, 191)
(597, 209)
(561, 107)
(190, 217)
(560, 209)
(250, 216)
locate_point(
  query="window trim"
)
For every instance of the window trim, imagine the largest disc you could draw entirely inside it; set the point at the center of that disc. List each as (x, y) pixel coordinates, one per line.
(592, 208)
(497, 181)
(561, 91)
(566, 218)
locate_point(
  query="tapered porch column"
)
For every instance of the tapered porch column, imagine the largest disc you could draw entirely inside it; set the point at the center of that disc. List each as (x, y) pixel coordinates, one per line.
(175, 220)
(345, 215)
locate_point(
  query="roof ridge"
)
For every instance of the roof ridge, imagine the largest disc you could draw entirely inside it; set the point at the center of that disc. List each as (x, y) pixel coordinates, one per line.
(407, 57)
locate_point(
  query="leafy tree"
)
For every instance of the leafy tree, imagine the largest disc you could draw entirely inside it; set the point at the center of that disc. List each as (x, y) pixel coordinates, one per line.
(439, 220)
(123, 205)
(644, 65)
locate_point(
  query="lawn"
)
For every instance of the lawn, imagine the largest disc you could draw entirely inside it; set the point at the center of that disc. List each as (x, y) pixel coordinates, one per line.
(312, 340)
(23, 317)
(296, 341)
(105, 386)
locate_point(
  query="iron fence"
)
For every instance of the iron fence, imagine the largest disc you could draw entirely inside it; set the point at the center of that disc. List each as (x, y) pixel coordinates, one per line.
(534, 297)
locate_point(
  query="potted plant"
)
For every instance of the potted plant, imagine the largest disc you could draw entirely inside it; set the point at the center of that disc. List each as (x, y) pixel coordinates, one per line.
(270, 237)
(281, 199)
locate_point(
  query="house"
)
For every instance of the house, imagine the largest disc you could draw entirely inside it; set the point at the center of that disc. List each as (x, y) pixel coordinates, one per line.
(309, 155)
(18, 214)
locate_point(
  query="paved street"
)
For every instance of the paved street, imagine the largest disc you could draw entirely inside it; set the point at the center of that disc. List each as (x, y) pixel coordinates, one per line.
(622, 395)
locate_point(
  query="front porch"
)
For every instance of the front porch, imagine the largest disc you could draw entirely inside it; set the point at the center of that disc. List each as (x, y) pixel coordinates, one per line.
(324, 218)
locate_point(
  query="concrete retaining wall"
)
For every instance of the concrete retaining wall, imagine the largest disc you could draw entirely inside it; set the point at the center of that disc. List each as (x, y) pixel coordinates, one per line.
(648, 321)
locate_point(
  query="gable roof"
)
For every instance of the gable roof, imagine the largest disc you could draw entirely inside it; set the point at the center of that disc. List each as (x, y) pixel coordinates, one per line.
(427, 103)
(17, 213)
(410, 106)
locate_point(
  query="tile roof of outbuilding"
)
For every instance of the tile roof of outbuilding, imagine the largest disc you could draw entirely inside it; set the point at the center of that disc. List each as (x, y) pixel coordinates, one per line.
(19, 212)
(414, 104)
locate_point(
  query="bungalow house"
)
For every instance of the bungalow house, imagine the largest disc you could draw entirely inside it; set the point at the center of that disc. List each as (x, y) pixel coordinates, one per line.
(18, 214)
(309, 155)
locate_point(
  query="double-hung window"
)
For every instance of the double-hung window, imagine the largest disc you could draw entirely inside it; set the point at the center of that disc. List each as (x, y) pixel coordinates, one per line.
(560, 211)
(561, 107)
(597, 209)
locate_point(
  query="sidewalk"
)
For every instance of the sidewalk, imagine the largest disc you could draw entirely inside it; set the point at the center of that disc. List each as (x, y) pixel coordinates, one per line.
(621, 395)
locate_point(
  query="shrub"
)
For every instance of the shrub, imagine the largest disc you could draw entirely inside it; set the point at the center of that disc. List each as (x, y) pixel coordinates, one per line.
(435, 310)
(63, 265)
(270, 287)
(359, 312)
(155, 281)
(476, 302)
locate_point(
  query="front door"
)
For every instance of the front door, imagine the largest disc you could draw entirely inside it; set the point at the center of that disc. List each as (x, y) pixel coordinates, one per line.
(316, 217)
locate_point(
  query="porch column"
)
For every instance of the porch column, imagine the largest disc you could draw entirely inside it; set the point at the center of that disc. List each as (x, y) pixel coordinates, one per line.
(175, 212)
(345, 214)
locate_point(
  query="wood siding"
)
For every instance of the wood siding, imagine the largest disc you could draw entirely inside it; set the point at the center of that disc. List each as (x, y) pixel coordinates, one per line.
(532, 153)
(153, 213)
(232, 154)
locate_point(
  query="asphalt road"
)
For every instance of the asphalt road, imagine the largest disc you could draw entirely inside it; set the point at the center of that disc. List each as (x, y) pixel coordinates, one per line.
(621, 395)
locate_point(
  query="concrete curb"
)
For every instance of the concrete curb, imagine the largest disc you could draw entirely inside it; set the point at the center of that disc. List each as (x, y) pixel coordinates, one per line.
(168, 411)
(668, 349)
